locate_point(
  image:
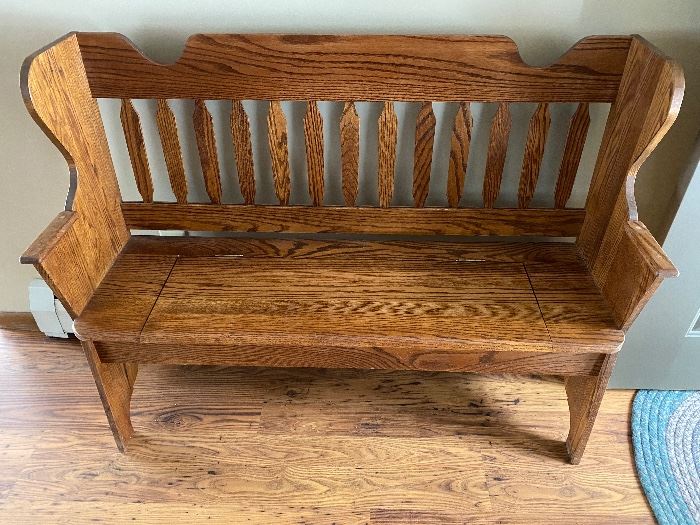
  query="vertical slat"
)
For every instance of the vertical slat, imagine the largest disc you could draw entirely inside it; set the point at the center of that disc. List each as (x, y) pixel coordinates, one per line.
(277, 136)
(576, 138)
(243, 150)
(137, 149)
(350, 152)
(459, 154)
(388, 124)
(423, 153)
(167, 129)
(496, 157)
(534, 150)
(206, 145)
(313, 140)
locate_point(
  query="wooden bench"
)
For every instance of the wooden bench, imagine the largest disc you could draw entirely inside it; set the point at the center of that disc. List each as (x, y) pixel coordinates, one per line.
(538, 305)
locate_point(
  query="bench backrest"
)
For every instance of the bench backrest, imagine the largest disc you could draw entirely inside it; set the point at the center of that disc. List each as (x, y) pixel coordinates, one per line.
(387, 69)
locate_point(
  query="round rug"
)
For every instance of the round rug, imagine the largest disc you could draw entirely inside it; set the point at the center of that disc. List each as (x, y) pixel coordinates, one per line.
(666, 438)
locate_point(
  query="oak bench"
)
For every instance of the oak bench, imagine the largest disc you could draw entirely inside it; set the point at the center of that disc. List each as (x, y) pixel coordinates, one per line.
(551, 291)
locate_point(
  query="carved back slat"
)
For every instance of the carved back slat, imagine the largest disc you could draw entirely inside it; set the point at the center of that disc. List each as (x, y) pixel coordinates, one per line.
(575, 140)
(313, 140)
(496, 156)
(350, 152)
(459, 154)
(423, 153)
(131, 123)
(534, 151)
(167, 130)
(243, 150)
(388, 124)
(277, 136)
(206, 145)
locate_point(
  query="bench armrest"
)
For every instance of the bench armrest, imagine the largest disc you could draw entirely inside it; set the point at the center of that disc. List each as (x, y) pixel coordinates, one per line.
(649, 251)
(77, 249)
(58, 254)
(630, 269)
(53, 236)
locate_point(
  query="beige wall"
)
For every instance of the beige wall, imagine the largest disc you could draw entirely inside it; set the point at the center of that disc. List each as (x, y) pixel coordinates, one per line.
(33, 175)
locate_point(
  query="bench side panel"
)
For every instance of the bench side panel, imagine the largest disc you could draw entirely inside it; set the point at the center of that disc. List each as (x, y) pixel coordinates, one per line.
(78, 248)
(626, 262)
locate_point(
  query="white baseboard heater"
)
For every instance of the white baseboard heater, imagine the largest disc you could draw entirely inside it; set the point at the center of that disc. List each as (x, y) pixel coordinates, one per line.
(50, 315)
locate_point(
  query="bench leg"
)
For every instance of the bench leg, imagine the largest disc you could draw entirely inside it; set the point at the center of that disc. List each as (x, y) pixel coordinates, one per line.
(115, 383)
(585, 393)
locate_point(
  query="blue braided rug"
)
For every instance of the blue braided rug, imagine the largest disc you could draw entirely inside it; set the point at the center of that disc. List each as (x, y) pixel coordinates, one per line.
(666, 437)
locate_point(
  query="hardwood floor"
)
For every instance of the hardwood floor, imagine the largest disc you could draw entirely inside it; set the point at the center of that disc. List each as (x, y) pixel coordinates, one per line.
(262, 445)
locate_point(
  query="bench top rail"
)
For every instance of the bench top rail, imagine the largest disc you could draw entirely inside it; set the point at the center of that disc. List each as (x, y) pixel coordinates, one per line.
(354, 67)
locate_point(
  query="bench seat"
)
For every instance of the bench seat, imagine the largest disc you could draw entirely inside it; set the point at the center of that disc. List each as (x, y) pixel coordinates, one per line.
(423, 303)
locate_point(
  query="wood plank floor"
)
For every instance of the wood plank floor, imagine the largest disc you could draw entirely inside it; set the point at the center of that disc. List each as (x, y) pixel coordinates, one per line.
(257, 445)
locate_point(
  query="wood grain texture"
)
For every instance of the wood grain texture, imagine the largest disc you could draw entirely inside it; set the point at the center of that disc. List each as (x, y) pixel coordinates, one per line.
(18, 321)
(575, 140)
(277, 137)
(329, 219)
(496, 156)
(355, 67)
(423, 153)
(585, 394)
(548, 252)
(634, 273)
(459, 154)
(350, 152)
(131, 124)
(336, 357)
(115, 383)
(448, 307)
(126, 296)
(405, 292)
(243, 150)
(73, 284)
(388, 124)
(56, 93)
(534, 151)
(303, 445)
(206, 146)
(577, 315)
(529, 495)
(50, 238)
(646, 107)
(313, 141)
(172, 152)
